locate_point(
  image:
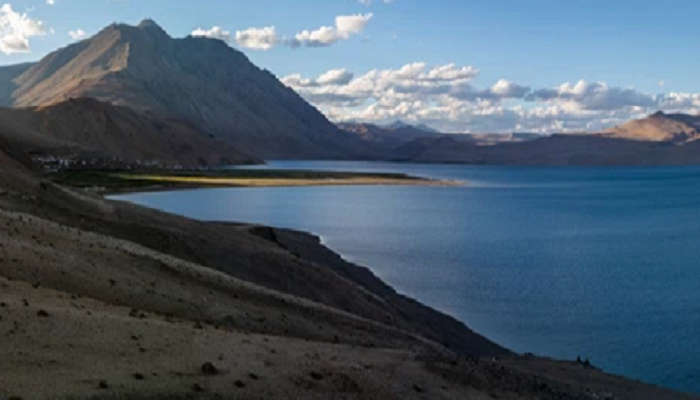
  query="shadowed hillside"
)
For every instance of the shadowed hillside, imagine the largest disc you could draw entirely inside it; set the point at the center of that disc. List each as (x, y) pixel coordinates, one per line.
(87, 132)
(203, 81)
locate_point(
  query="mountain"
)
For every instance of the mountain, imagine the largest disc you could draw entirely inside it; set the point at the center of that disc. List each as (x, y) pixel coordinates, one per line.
(659, 139)
(200, 80)
(397, 138)
(559, 149)
(659, 127)
(398, 124)
(387, 137)
(90, 132)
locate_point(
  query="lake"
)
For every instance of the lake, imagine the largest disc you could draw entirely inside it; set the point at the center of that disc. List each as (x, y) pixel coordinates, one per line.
(598, 262)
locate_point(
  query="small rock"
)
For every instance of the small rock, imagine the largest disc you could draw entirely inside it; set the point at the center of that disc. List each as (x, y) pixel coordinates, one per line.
(253, 376)
(197, 388)
(418, 389)
(42, 314)
(209, 369)
(239, 384)
(317, 376)
(103, 385)
(138, 377)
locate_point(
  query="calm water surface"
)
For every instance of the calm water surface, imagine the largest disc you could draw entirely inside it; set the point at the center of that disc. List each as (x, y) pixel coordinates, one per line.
(598, 262)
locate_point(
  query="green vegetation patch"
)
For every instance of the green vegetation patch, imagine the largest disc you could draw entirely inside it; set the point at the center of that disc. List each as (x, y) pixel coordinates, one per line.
(116, 181)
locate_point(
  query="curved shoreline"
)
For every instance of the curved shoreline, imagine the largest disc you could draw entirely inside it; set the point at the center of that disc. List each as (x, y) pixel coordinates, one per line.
(360, 313)
(108, 182)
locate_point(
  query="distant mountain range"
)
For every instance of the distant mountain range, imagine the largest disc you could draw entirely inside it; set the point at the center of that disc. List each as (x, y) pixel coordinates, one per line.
(196, 101)
(660, 139)
(389, 137)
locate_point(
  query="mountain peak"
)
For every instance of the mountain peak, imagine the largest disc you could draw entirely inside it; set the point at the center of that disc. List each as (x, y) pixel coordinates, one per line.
(150, 26)
(149, 23)
(206, 83)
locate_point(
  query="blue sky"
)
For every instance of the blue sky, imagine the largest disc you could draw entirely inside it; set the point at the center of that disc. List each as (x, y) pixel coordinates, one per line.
(634, 47)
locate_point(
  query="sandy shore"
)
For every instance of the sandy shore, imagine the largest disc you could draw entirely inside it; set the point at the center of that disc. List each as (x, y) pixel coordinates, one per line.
(109, 182)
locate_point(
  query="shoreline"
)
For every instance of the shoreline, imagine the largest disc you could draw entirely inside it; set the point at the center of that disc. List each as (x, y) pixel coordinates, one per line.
(113, 183)
(523, 362)
(150, 283)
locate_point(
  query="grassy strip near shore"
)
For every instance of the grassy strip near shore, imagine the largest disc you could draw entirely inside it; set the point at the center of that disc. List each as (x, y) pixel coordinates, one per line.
(126, 181)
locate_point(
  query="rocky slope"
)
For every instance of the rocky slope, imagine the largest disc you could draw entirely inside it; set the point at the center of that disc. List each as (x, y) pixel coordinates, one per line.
(102, 299)
(200, 80)
(85, 132)
(659, 127)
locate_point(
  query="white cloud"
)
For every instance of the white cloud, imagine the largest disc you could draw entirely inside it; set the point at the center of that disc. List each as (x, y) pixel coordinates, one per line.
(445, 97)
(266, 38)
(595, 95)
(215, 32)
(345, 26)
(77, 34)
(16, 29)
(257, 38)
(50, 2)
(335, 77)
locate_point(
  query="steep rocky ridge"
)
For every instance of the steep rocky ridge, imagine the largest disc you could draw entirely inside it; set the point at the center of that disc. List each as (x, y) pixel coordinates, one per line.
(204, 81)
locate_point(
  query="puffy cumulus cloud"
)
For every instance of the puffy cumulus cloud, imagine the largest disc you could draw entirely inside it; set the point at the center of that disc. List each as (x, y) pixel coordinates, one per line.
(266, 38)
(595, 95)
(403, 89)
(335, 77)
(215, 32)
(445, 97)
(680, 102)
(257, 38)
(77, 34)
(345, 26)
(506, 89)
(16, 29)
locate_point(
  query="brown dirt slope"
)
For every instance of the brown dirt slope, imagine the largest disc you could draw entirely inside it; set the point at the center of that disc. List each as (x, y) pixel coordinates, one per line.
(659, 127)
(100, 299)
(86, 129)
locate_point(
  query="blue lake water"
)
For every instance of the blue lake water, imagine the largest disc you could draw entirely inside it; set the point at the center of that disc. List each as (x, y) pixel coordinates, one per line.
(598, 262)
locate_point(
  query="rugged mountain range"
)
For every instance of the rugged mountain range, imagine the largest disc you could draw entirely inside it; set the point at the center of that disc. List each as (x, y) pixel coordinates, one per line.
(387, 137)
(197, 101)
(660, 139)
(199, 80)
(391, 138)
